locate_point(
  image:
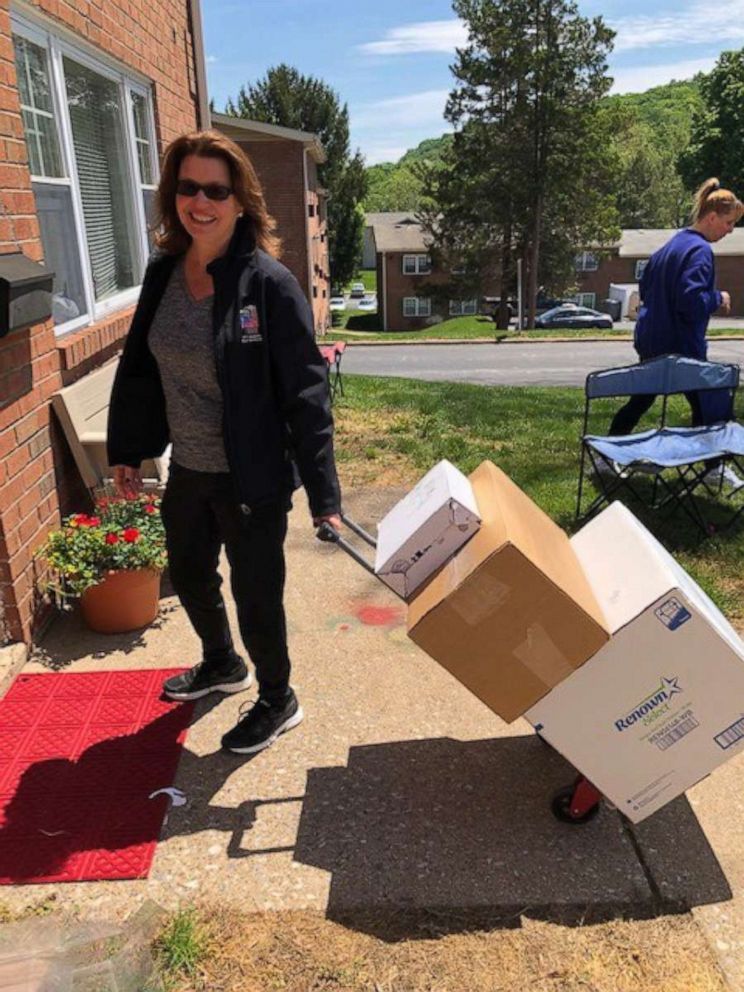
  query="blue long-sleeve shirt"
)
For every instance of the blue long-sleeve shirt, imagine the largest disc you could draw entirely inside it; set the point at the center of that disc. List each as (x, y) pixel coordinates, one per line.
(678, 295)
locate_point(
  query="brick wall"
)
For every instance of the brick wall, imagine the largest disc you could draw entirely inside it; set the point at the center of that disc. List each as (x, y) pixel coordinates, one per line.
(613, 269)
(279, 168)
(37, 475)
(299, 215)
(399, 285)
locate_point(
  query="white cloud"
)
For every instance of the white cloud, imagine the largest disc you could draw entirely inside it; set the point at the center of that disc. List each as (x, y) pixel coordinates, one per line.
(210, 59)
(414, 109)
(637, 79)
(696, 23)
(423, 36)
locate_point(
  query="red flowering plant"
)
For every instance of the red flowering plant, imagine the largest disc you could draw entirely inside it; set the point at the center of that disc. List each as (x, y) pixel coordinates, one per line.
(122, 533)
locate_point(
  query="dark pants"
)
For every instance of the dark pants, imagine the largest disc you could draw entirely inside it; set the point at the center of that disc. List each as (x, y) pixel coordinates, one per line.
(631, 412)
(201, 513)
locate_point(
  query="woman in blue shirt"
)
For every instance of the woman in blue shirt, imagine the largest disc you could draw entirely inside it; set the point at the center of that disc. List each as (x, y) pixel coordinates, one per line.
(678, 296)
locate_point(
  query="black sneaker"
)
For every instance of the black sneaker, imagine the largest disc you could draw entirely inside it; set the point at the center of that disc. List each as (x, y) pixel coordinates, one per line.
(205, 678)
(262, 724)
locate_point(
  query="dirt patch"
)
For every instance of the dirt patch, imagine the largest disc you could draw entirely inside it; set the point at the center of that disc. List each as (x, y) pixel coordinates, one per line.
(299, 952)
(365, 451)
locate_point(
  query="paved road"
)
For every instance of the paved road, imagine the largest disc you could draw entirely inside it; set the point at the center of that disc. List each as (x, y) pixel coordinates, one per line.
(554, 364)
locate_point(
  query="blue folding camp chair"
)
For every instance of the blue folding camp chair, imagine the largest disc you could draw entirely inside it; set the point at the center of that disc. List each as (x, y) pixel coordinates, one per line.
(677, 458)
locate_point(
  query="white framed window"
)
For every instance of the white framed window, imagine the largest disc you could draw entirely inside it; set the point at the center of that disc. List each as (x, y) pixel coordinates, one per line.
(90, 135)
(585, 300)
(640, 265)
(416, 265)
(416, 306)
(463, 308)
(587, 261)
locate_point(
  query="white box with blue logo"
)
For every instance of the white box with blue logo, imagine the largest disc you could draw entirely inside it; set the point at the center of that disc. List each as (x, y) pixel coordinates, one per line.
(662, 703)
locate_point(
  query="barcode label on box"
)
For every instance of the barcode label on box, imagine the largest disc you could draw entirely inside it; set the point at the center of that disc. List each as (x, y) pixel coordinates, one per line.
(671, 736)
(731, 735)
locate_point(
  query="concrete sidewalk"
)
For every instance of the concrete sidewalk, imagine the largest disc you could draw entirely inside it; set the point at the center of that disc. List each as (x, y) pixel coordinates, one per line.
(400, 794)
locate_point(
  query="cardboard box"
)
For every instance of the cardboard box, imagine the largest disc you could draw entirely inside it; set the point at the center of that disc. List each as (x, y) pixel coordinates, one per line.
(512, 614)
(662, 704)
(425, 528)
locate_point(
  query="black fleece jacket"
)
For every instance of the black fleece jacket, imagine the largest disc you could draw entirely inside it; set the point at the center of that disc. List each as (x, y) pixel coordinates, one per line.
(277, 415)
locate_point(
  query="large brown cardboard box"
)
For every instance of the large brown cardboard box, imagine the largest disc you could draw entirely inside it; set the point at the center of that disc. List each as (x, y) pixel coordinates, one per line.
(511, 614)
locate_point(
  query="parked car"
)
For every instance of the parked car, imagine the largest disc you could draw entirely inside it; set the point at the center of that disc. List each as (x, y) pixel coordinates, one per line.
(572, 316)
(357, 290)
(368, 303)
(336, 304)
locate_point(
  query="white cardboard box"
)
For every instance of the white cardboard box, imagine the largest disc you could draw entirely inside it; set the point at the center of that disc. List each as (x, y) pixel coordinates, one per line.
(662, 703)
(425, 528)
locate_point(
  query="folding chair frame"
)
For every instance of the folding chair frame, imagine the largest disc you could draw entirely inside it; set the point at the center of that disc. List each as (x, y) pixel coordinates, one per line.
(333, 353)
(679, 491)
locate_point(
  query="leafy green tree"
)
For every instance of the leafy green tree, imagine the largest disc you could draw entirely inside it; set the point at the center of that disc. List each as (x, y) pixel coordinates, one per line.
(392, 187)
(530, 164)
(717, 140)
(650, 132)
(287, 98)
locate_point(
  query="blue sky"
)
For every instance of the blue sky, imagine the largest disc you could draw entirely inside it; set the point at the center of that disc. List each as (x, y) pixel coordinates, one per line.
(389, 61)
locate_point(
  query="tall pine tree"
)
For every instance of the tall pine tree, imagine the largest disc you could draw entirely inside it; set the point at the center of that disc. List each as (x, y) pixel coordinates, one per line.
(530, 172)
(287, 98)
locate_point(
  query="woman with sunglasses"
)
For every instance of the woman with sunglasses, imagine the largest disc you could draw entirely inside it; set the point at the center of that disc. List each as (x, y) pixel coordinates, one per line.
(221, 361)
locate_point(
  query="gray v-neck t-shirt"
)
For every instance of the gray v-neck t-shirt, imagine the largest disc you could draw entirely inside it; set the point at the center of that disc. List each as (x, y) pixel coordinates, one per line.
(182, 341)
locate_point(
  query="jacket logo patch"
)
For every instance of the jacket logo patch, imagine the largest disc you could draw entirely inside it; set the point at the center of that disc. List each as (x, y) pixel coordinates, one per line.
(250, 330)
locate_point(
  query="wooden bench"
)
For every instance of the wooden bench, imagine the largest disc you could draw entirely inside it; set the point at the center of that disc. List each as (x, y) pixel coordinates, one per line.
(82, 410)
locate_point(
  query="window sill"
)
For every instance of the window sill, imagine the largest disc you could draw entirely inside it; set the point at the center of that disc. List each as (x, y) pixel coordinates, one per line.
(87, 348)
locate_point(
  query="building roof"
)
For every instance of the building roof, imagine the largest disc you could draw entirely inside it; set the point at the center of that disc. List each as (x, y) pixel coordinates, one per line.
(238, 127)
(640, 243)
(400, 232)
(397, 231)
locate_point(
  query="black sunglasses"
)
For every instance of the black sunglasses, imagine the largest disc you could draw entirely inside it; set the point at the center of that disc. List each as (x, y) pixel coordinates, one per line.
(212, 191)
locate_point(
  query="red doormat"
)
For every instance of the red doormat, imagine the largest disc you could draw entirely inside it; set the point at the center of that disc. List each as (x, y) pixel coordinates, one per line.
(80, 753)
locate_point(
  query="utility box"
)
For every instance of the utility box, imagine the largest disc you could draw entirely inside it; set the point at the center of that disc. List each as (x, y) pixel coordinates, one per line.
(612, 307)
(25, 292)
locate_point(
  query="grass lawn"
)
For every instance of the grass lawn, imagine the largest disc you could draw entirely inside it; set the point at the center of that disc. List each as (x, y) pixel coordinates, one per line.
(465, 328)
(368, 277)
(393, 430)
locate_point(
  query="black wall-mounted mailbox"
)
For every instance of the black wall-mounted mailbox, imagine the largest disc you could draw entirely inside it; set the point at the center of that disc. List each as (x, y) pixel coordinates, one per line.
(25, 292)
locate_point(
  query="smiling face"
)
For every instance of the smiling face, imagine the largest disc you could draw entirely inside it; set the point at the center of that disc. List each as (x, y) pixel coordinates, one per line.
(210, 223)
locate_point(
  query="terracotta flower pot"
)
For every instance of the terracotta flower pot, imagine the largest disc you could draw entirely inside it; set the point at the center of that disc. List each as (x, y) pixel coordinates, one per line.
(123, 601)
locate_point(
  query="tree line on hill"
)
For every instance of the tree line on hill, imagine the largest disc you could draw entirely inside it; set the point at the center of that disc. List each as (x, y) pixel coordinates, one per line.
(650, 132)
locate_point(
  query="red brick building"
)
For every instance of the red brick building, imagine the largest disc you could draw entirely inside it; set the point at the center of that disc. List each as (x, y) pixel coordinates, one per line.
(406, 276)
(623, 263)
(287, 164)
(90, 93)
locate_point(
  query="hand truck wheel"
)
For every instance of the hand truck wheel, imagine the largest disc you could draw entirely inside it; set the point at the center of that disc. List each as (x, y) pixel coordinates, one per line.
(577, 803)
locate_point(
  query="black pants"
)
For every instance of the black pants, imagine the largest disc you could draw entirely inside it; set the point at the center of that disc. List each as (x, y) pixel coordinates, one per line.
(201, 513)
(631, 412)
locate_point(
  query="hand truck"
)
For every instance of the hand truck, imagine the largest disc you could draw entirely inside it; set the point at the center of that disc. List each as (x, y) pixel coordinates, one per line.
(576, 803)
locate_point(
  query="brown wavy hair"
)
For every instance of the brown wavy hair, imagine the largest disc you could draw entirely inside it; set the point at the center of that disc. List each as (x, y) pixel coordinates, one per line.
(710, 198)
(171, 237)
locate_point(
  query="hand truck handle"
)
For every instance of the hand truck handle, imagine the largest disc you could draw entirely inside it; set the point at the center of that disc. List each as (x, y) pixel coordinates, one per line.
(326, 532)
